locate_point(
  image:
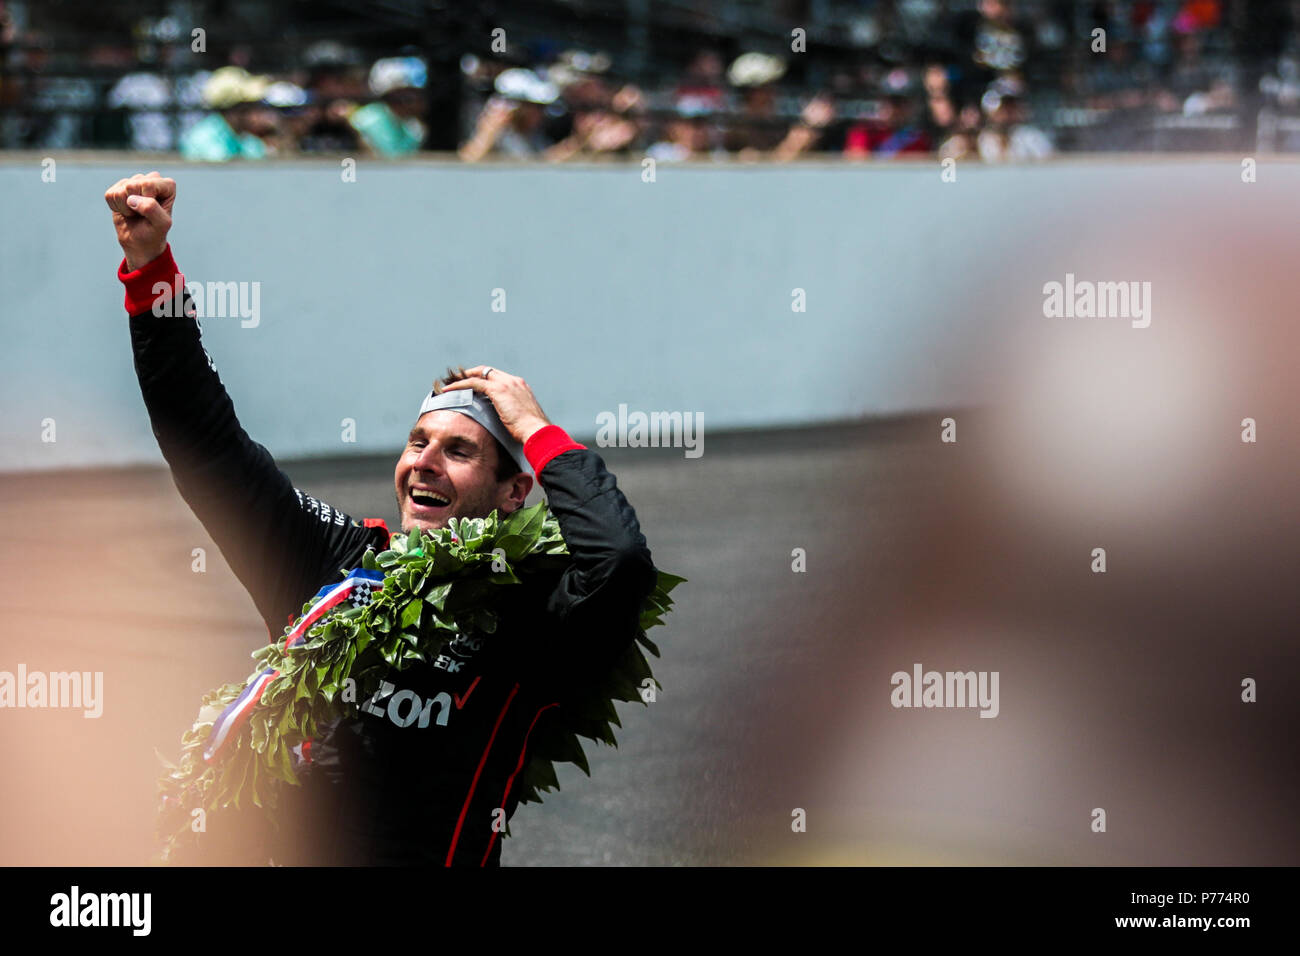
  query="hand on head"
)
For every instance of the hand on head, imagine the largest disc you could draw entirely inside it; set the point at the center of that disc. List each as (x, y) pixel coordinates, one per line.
(510, 395)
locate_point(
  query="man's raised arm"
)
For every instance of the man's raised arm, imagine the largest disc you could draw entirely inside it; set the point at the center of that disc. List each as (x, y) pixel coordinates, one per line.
(281, 544)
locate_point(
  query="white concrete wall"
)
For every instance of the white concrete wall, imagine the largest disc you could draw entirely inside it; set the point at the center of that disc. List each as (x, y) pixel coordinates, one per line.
(672, 295)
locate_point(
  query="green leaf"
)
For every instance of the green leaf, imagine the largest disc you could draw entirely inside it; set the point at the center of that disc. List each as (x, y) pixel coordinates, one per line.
(526, 523)
(669, 581)
(241, 774)
(542, 774)
(653, 648)
(437, 596)
(515, 546)
(256, 785)
(570, 751)
(285, 764)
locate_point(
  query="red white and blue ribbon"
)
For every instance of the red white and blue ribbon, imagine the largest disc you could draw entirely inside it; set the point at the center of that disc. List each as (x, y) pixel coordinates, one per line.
(356, 590)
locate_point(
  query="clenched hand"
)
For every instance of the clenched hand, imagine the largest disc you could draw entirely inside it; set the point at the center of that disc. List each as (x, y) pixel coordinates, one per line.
(142, 215)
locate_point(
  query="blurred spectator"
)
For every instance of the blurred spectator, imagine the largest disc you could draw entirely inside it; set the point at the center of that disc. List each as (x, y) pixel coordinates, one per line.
(690, 134)
(703, 81)
(896, 128)
(1280, 118)
(807, 134)
(1194, 84)
(335, 82)
(1282, 84)
(1008, 135)
(941, 107)
(584, 87)
(146, 95)
(614, 129)
(991, 42)
(290, 102)
(756, 128)
(241, 123)
(510, 123)
(392, 126)
(963, 140)
(334, 72)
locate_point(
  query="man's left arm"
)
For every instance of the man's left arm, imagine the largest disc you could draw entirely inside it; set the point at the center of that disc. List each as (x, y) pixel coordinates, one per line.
(598, 599)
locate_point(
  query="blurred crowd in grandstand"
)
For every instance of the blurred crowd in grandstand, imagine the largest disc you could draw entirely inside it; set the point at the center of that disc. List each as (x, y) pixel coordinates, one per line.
(953, 79)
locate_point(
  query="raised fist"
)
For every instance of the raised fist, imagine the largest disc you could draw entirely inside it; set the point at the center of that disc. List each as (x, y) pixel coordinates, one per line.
(142, 215)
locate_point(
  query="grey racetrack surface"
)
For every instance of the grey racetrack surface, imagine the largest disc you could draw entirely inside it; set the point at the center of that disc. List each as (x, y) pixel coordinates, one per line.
(1118, 691)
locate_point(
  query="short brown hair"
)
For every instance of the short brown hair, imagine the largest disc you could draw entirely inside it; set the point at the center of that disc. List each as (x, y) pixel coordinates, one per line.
(507, 467)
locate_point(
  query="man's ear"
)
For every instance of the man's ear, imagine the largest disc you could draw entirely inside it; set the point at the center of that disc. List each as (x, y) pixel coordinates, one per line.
(517, 490)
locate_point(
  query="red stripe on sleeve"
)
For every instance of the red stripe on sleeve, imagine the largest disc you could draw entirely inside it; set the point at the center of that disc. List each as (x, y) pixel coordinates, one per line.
(140, 284)
(545, 443)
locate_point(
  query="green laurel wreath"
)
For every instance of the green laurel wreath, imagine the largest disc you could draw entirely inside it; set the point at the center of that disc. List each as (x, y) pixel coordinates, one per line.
(436, 584)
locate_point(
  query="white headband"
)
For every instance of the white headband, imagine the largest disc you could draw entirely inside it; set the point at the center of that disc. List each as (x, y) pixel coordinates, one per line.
(473, 405)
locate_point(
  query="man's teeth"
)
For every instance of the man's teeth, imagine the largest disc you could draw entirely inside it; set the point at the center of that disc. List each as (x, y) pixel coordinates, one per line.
(429, 498)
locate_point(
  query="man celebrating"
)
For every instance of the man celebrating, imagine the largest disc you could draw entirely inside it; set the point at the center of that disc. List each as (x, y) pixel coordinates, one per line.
(376, 790)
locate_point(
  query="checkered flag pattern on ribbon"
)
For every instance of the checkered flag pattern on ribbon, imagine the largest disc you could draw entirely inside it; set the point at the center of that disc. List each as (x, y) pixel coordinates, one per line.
(361, 595)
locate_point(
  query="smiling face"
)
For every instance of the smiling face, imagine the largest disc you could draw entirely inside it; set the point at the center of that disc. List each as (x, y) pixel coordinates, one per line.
(449, 470)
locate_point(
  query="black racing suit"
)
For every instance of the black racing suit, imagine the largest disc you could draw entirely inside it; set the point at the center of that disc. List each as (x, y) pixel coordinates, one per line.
(375, 792)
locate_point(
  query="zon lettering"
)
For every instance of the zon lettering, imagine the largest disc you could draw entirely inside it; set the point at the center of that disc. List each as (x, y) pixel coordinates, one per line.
(406, 708)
